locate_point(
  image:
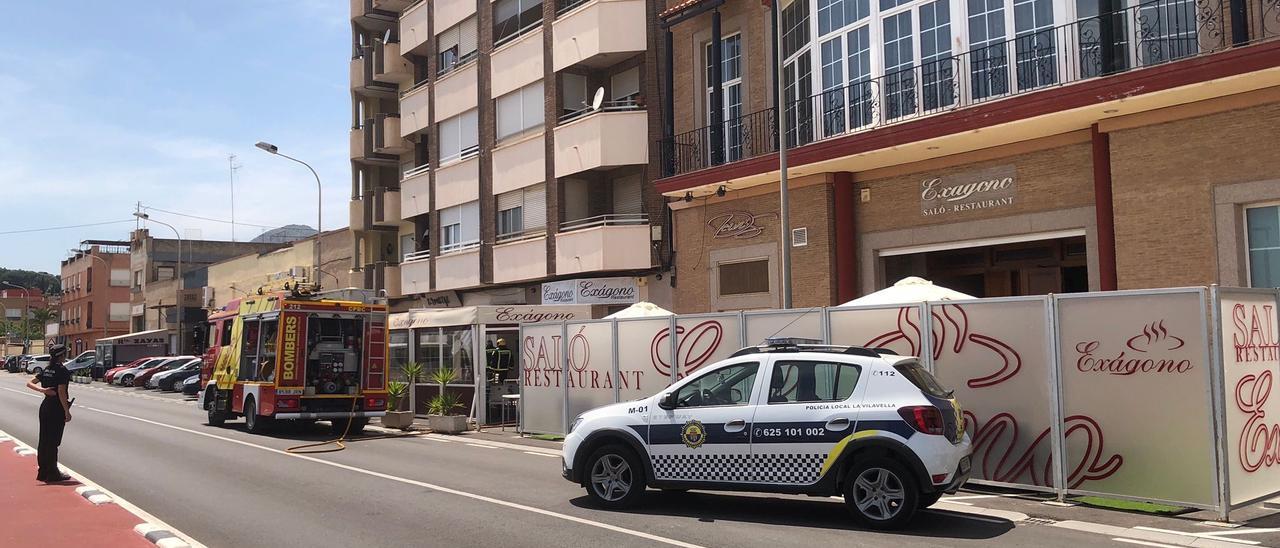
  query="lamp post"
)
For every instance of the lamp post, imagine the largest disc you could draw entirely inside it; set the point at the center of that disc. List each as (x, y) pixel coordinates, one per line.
(785, 217)
(315, 279)
(26, 305)
(146, 217)
(108, 269)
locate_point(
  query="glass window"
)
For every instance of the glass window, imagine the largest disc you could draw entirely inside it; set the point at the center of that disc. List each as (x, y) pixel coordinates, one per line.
(795, 27)
(899, 61)
(936, 64)
(797, 85)
(225, 338)
(988, 60)
(796, 381)
(624, 87)
(1096, 56)
(1264, 245)
(457, 45)
(512, 17)
(520, 110)
(1035, 43)
(833, 112)
(248, 349)
(1168, 31)
(459, 225)
(835, 14)
(861, 94)
(730, 385)
(731, 83)
(398, 353)
(510, 221)
(267, 352)
(459, 136)
(745, 277)
(922, 379)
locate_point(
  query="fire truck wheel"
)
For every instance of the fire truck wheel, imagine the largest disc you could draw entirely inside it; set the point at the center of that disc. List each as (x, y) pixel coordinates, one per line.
(255, 423)
(216, 418)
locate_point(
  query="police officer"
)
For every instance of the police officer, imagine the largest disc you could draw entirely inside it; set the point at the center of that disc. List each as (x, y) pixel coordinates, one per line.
(55, 413)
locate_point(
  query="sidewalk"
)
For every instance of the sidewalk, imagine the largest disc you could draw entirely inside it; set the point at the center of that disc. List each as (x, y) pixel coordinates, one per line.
(36, 514)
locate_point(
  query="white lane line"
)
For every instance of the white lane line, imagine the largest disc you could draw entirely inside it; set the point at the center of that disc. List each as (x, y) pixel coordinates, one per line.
(407, 481)
(1240, 531)
(1213, 536)
(484, 446)
(539, 454)
(1144, 543)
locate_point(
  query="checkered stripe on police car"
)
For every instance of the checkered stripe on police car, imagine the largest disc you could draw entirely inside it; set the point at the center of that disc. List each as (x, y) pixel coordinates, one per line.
(788, 468)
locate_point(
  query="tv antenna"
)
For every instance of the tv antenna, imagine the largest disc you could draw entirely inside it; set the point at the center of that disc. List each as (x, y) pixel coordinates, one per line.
(231, 163)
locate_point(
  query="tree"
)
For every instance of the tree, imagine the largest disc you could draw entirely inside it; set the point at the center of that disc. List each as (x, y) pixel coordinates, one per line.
(48, 283)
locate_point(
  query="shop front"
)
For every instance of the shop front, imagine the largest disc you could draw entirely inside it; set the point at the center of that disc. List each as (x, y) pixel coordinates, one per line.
(479, 343)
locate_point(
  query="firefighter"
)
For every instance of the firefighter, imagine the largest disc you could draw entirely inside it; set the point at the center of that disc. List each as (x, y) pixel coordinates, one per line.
(55, 413)
(498, 360)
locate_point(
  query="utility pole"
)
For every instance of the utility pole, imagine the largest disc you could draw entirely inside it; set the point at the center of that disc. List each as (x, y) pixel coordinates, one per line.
(785, 215)
(231, 162)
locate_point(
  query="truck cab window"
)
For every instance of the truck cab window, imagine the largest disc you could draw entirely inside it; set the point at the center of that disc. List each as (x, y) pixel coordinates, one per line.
(267, 351)
(249, 350)
(224, 338)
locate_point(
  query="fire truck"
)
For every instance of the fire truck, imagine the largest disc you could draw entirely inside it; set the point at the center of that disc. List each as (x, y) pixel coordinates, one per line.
(285, 355)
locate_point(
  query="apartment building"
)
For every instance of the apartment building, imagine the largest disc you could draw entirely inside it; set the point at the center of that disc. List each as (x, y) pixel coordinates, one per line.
(159, 280)
(95, 294)
(1000, 147)
(504, 152)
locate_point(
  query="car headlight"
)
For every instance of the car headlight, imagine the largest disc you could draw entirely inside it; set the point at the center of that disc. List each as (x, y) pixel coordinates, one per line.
(575, 423)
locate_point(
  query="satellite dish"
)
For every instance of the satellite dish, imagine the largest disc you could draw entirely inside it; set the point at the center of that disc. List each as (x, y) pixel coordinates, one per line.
(598, 100)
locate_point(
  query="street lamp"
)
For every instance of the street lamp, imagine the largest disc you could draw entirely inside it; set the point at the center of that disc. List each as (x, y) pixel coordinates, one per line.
(270, 148)
(26, 305)
(108, 270)
(781, 115)
(147, 217)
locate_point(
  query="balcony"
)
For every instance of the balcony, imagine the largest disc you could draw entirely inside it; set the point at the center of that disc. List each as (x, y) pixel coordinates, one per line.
(597, 33)
(458, 266)
(1148, 34)
(521, 256)
(355, 215)
(516, 64)
(458, 182)
(391, 281)
(520, 163)
(388, 65)
(415, 273)
(415, 188)
(376, 13)
(603, 243)
(617, 135)
(414, 32)
(386, 135)
(456, 92)
(386, 207)
(362, 81)
(383, 276)
(362, 149)
(415, 106)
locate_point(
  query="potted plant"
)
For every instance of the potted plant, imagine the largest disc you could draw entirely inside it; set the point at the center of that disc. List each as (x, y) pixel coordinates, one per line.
(441, 408)
(395, 418)
(412, 374)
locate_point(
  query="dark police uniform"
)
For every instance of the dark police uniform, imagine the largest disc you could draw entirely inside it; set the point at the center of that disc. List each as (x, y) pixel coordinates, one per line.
(53, 420)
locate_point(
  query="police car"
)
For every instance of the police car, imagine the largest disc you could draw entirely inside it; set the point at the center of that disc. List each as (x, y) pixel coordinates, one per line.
(790, 416)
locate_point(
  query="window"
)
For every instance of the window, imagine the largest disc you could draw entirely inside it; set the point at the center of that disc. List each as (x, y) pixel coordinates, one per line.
(119, 277)
(522, 210)
(88, 280)
(988, 62)
(457, 45)
(513, 17)
(922, 379)
(164, 273)
(833, 112)
(810, 381)
(1036, 51)
(89, 320)
(459, 226)
(118, 312)
(936, 64)
(627, 196)
(574, 92)
(795, 28)
(798, 81)
(624, 86)
(459, 136)
(835, 14)
(224, 339)
(248, 349)
(137, 278)
(861, 95)
(520, 110)
(1168, 31)
(744, 277)
(899, 60)
(731, 83)
(1263, 240)
(730, 385)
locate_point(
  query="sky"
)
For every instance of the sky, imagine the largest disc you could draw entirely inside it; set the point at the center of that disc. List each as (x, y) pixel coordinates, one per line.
(104, 104)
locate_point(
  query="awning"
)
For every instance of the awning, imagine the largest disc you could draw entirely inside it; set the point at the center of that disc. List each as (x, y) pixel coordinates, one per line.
(497, 314)
(155, 336)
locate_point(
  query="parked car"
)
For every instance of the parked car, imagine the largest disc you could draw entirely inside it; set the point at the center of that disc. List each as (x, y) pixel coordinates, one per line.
(141, 377)
(37, 364)
(125, 377)
(164, 379)
(22, 363)
(110, 375)
(11, 364)
(85, 360)
(191, 386)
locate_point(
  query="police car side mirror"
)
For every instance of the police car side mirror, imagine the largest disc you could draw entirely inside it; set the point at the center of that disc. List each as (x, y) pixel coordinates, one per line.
(668, 401)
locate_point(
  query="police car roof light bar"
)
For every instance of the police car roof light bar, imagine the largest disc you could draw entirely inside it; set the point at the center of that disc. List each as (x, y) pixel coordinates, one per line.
(798, 344)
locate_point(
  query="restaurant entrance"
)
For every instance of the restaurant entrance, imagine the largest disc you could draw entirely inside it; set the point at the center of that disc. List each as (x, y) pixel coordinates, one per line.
(1037, 267)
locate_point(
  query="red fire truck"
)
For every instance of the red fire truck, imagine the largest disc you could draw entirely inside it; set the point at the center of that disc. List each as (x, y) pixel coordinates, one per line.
(284, 356)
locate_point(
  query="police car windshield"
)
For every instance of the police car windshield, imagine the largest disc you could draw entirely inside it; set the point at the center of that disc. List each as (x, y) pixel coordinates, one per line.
(922, 379)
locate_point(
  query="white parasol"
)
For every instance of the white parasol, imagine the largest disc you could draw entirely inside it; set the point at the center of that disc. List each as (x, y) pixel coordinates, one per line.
(640, 310)
(909, 290)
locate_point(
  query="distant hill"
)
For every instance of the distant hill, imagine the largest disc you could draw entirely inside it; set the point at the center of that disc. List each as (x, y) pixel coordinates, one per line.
(48, 283)
(285, 234)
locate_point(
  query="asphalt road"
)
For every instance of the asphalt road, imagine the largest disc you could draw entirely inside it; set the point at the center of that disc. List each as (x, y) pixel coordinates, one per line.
(226, 487)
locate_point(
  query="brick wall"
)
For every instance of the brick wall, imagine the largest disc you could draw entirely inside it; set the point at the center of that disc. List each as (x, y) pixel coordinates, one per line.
(1163, 176)
(690, 39)
(813, 267)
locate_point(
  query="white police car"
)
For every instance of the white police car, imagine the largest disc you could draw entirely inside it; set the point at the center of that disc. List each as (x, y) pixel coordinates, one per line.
(786, 417)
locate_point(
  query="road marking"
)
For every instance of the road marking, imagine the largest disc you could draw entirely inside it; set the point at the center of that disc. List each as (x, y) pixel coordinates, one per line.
(407, 481)
(484, 446)
(1213, 536)
(539, 454)
(1144, 543)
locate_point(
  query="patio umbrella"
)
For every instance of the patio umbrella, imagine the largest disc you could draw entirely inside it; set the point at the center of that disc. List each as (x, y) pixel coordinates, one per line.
(640, 310)
(909, 290)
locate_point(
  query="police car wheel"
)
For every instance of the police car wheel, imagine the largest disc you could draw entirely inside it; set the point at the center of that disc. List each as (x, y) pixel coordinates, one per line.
(881, 494)
(614, 477)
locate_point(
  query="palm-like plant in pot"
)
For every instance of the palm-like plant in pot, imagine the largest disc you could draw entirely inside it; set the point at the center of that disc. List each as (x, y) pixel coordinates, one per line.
(442, 407)
(395, 418)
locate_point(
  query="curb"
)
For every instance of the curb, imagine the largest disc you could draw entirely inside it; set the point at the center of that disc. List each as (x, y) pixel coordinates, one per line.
(23, 451)
(159, 536)
(94, 495)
